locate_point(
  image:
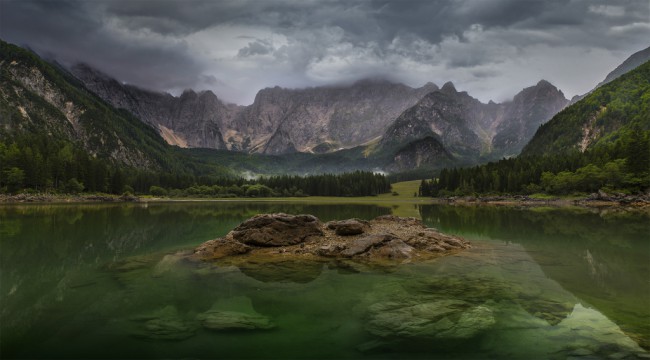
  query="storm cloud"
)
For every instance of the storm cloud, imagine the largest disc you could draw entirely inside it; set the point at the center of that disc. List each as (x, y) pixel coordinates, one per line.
(490, 48)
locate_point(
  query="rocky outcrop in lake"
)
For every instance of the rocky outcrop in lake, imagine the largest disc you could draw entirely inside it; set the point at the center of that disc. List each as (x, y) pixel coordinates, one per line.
(385, 238)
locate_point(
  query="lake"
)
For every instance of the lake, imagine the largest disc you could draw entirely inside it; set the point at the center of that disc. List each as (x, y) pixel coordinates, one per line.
(109, 281)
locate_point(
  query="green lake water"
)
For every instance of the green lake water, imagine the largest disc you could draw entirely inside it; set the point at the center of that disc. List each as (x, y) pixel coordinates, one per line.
(109, 281)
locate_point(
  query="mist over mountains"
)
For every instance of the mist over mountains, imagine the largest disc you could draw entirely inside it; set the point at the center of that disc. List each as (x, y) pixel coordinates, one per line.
(378, 114)
(371, 124)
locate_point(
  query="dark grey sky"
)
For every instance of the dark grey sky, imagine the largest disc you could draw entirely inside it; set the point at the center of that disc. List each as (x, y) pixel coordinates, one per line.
(490, 48)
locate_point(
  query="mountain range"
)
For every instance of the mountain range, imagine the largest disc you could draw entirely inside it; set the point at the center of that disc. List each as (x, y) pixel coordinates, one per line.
(372, 124)
(380, 116)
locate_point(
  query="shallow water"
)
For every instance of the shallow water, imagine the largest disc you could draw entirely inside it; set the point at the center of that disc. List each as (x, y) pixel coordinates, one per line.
(108, 281)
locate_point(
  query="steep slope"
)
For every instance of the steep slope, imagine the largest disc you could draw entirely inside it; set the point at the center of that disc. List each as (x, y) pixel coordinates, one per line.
(38, 98)
(280, 121)
(631, 63)
(470, 130)
(190, 120)
(427, 152)
(528, 110)
(602, 116)
(447, 114)
(599, 145)
(322, 118)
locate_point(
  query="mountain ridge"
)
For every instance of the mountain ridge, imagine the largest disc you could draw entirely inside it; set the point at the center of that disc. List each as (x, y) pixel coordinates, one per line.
(598, 117)
(470, 129)
(335, 117)
(279, 120)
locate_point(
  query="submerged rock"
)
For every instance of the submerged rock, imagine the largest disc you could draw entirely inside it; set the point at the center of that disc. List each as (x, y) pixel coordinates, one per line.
(236, 313)
(273, 269)
(163, 324)
(304, 237)
(440, 319)
(232, 320)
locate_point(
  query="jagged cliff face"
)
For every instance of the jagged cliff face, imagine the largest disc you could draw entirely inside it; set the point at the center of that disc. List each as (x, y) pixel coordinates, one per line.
(427, 151)
(321, 119)
(191, 120)
(529, 109)
(280, 121)
(469, 129)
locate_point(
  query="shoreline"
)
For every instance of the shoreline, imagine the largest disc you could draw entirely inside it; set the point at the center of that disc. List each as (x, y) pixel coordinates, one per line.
(592, 201)
(597, 200)
(66, 198)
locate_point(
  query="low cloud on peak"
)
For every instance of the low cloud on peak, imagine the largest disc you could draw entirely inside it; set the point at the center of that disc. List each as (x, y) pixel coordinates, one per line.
(490, 48)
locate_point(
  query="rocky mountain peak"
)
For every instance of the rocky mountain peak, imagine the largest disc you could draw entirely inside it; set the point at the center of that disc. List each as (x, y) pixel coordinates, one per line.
(373, 82)
(542, 89)
(85, 69)
(468, 128)
(429, 87)
(448, 87)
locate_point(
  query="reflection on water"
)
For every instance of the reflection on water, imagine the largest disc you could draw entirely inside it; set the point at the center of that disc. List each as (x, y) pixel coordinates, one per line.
(602, 257)
(538, 283)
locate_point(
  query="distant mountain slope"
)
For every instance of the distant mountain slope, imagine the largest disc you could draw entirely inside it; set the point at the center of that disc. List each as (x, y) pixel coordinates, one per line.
(321, 118)
(529, 109)
(599, 145)
(636, 59)
(38, 97)
(631, 63)
(280, 121)
(190, 120)
(470, 130)
(618, 106)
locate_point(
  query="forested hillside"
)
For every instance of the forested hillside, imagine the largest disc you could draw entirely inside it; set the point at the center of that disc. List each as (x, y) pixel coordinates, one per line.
(57, 136)
(601, 142)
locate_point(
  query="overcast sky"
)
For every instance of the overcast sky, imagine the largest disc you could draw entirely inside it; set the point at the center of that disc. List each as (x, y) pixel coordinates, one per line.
(490, 48)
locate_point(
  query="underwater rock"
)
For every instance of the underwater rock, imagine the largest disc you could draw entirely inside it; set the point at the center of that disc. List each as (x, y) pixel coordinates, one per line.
(281, 270)
(164, 324)
(231, 320)
(440, 319)
(235, 313)
(348, 227)
(277, 229)
(168, 263)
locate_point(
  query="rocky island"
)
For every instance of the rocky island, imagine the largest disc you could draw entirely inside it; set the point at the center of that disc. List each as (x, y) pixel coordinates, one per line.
(386, 238)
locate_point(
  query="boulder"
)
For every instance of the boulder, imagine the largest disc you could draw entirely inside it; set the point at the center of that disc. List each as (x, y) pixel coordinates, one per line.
(348, 227)
(395, 249)
(363, 244)
(219, 248)
(277, 229)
